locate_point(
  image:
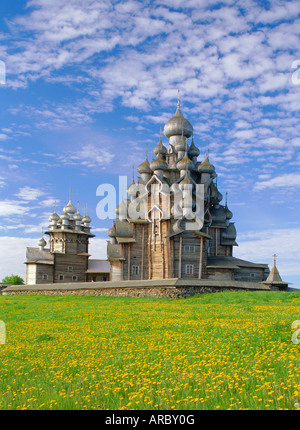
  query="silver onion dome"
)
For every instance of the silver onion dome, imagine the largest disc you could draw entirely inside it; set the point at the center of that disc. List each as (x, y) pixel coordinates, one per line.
(70, 208)
(86, 219)
(54, 217)
(144, 167)
(181, 145)
(193, 151)
(42, 243)
(178, 125)
(158, 164)
(160, 149)
(184, 163)
(78, 217)
(206, 167)
(64, 216)
(131, 190)
(111, 232)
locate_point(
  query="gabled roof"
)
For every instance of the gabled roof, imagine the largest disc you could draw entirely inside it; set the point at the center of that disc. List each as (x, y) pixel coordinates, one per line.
(236, 263)
(39, 256)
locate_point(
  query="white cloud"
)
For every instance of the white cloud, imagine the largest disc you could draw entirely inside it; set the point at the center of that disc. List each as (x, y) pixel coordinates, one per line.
(49, 202)
(273, 141)
(296, 141)
(13, 255)
(89, 155)
(270, 82)
(187, 53)
(29, 194)
(244, 134)
(2, 182)
(13, 207)
(287, 180)
(259, 246)
(98, 248)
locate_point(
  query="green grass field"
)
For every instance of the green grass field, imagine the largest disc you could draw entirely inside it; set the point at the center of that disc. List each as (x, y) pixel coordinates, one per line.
(229, 350)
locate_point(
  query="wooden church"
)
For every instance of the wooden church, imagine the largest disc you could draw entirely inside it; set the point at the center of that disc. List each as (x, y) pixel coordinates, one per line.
(67, 258)
(158, 245)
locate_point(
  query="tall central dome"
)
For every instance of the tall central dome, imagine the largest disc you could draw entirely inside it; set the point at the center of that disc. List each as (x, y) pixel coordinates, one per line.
(178, 125)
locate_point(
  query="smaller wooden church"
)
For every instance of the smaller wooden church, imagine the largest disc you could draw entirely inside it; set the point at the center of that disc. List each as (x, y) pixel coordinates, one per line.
(67, 258)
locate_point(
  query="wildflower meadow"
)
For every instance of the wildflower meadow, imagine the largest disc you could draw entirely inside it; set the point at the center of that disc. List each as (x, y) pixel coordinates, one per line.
(228, 350)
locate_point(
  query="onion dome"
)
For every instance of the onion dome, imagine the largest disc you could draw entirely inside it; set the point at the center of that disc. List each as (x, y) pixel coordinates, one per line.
(42, 243)
(65, 216)
(178, 125)
(54, 217)
(193, 151)
(78, 217)
(86, 219)
(158, 164)
(144, 167)
(160, 149)
(181, 145)
(186, 180)
(219, 196)
(112, 232)
(216, 196)
(218, 214)
(229, 214)
(229, 235)
(131, 190)
(121, 209)
(184, 163)
(206, 167)
(70, 208)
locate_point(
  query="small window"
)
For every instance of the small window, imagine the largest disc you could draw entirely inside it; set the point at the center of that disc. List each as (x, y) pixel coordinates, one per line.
(70, 268)
(135, 270)
(189, 268)
(74, 278)
(189, 248)
(60, 277)
(45, 277)
(252, 275)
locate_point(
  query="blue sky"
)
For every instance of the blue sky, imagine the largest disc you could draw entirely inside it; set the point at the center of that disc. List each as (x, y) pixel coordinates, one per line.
(90, 83)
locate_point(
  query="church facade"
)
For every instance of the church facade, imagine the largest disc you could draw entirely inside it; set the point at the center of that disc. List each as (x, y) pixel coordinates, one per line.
(158, 244)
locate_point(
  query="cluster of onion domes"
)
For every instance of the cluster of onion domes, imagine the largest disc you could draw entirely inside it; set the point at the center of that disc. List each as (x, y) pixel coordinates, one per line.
(70, 218)
(182, 156)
